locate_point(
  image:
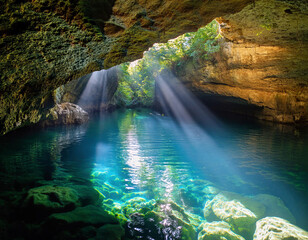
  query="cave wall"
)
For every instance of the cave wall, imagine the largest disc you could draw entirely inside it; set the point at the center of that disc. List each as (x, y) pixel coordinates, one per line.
(261, 69)
(46, 43)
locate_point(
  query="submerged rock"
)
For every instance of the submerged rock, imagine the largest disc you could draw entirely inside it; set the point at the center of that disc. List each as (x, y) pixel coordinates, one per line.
(83, 216)
(275, 207)
(274, 228)
(137, 205)
(162, 220)
(87, 195)
(66, 113)
(240, 212)
(217, 230)
(110, 231)
(53, 198)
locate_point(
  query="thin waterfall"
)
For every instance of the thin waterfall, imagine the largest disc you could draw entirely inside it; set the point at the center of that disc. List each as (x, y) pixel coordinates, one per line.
(99, 90)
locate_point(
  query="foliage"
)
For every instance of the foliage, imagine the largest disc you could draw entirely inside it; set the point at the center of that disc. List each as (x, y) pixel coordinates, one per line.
(137, 79)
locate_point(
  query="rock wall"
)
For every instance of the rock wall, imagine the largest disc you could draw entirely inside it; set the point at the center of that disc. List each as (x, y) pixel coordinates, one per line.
(46, 43)
(261, 69)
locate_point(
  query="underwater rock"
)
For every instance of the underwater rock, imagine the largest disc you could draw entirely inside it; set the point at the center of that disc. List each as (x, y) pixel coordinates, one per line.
(137, 205)
(83, 216)
(88, 232)
(274, 228)
(275, 207)
(163, 220)
(217, 230)
(66, 113)
(140, 226)
(87, 195)
(239, 211)
(53, 198)
(110, 232)
(189, 199)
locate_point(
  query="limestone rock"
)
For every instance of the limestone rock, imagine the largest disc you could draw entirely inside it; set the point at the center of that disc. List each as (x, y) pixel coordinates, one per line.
(274, 228)
(88, 215)
(53, 198)
(45, 44)
(217, 230)
(260, 69)
(67, 113)
(239, 211)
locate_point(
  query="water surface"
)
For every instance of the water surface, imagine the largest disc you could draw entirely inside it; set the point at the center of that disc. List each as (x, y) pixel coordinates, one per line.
(142, 153)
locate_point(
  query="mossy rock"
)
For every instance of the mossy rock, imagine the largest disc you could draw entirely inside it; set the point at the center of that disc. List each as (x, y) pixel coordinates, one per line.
(84, 216)
(52, 198)
(110, 232)
(87, 195)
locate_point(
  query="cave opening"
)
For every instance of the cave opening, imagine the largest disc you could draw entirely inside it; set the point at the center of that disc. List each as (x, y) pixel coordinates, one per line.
(169, 146)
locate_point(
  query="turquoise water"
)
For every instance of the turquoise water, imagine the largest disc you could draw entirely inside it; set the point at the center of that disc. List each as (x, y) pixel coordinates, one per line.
(139, 153)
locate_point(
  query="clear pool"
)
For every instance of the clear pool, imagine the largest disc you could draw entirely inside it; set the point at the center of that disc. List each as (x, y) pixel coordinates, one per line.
(140, 153)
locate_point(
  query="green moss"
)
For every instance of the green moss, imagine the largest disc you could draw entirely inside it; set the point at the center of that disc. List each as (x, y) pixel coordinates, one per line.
(44, 44)
(130, 46)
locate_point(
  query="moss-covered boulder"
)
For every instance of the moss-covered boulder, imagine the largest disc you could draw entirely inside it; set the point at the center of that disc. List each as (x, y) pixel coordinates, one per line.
(52, 198)
(137, 205)
(84, 216)
(87, 194)
(110, 231)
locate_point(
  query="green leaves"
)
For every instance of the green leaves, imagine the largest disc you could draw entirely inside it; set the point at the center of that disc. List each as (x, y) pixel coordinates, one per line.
(137, 79)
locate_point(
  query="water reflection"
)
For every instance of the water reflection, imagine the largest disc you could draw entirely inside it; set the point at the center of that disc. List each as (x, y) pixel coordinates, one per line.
(28, 157)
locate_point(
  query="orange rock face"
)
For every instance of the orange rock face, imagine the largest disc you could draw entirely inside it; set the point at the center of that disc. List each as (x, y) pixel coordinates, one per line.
(262, 62)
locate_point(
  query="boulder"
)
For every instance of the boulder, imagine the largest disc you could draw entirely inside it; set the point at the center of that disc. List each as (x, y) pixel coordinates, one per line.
(217, 230)
(66, 113)
(87, 195)
(83, 216)
(165, 219)
(274, 228)
(53, 198)
(137, 205)
(239, 211)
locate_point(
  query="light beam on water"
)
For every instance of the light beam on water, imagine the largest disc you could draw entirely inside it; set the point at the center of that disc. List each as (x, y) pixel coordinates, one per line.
(177, 101)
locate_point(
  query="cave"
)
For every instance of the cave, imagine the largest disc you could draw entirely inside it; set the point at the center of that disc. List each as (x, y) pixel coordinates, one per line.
(153, 119)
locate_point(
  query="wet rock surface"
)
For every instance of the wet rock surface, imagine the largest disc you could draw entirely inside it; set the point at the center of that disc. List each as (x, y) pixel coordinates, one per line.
(83, 212)
(217, 230)
(239, 211)
(45, 44)
(65, 114)
(277, 228)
